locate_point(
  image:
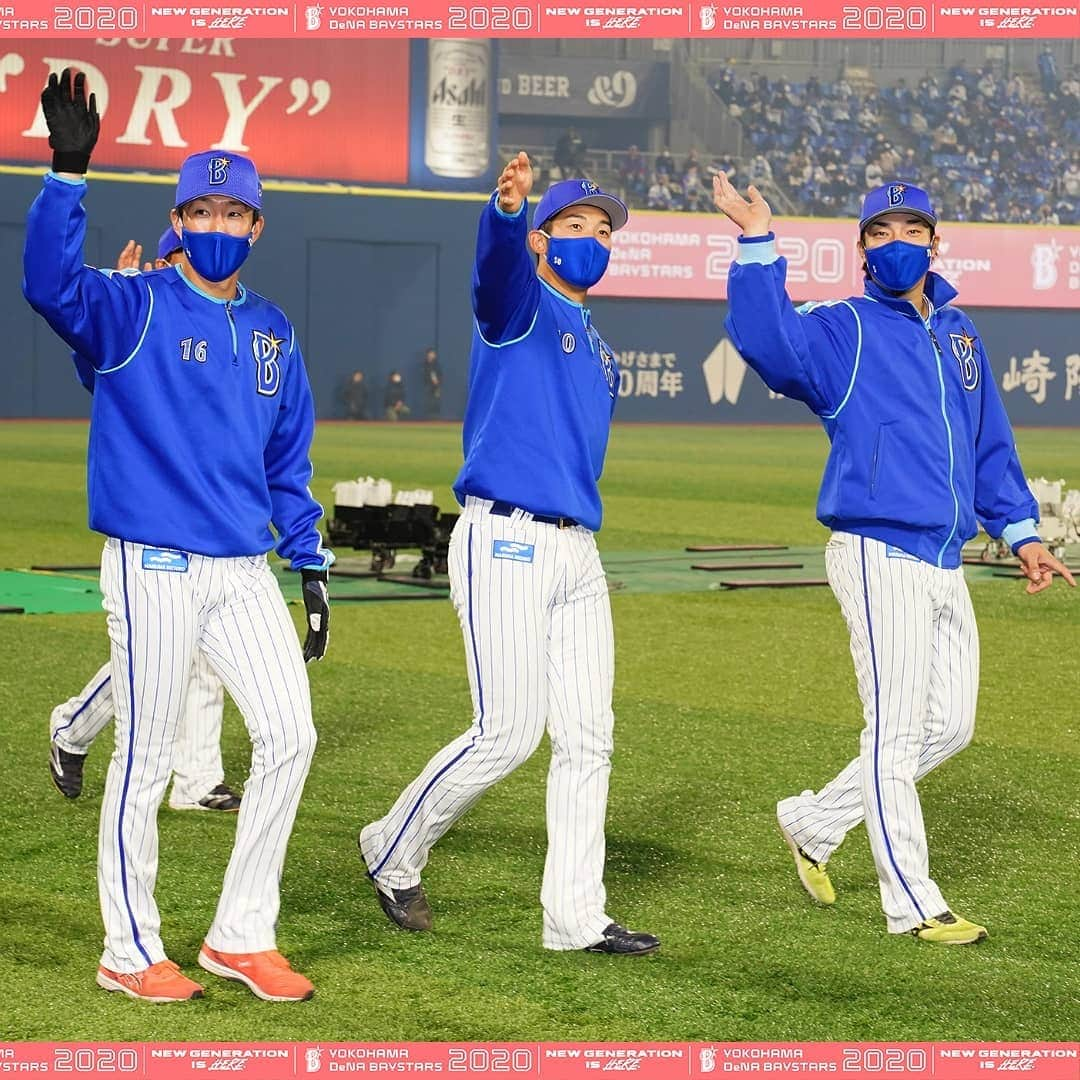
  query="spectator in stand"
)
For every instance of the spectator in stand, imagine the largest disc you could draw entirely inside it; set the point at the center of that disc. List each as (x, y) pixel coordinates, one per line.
(724, 83)
(691, 162)
(1046, 215)
(1069, 90)
(799, 170)
(665, 163)
(1056, 155)
(634, 174)
(868, 116)
(1070, 179)
(908, 167)
(920, 128)
(695, 196)
(760, 171)
(570, 154)
(1048, 71)
(812, 121)
(1015, 90)
(660, 196)
(873, 174)
(903, 101)
(945, 138)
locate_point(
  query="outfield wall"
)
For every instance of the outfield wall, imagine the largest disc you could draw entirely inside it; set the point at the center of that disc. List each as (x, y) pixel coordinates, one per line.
(371, 281)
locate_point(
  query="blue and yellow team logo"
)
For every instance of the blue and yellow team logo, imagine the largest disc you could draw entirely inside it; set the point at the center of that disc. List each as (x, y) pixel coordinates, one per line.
(217, 169)
(266, 352)
(963, 349)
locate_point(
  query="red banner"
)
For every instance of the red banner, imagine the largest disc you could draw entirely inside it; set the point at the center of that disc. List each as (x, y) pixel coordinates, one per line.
(521, 18)
(547, 1061)
(314, 110)
(687, 257)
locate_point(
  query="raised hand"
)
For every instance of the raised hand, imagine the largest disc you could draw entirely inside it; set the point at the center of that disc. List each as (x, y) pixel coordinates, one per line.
(515, 183)
(73, 121)
(752, 215)
(130, 256)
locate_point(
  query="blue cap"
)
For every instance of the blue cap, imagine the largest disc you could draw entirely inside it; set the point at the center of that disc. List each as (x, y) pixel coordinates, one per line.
(896, 198)
(577, 193)
(168, 243)
(217, 172)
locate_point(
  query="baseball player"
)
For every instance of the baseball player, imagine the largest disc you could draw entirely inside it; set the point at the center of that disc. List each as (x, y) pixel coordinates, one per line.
(199, 439)
(197, 769)
(526, 578)
(198, 773)
(920, 448)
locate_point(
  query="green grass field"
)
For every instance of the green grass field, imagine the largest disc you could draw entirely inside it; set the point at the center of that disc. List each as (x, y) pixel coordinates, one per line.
(724, 703)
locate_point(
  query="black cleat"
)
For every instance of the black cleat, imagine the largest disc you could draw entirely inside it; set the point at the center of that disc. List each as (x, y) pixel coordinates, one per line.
(406, 908)
(66, 771)
(221, 798)
(618, 941)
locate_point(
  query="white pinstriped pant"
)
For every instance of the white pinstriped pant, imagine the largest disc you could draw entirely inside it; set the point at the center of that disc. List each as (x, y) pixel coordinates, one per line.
(540, 650)
(233, 612)
(916, 651)
(196, 765)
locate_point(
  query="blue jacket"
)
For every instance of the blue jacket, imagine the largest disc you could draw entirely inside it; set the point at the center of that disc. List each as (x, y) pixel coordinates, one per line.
(921, 445)
(202, 415)
(542, 385)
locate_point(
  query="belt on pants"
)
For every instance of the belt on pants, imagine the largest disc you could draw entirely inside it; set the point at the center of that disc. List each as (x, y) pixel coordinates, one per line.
(505, 509)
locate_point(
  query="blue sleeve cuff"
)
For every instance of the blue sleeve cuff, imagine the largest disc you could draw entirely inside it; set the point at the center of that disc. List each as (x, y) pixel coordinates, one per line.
(326, 559)
(502, 213)
(1019, 533)
(757, 249)
(50, 175)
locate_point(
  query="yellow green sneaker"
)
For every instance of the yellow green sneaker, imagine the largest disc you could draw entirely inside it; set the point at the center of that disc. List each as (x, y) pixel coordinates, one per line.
(812, 875)
(950, 929)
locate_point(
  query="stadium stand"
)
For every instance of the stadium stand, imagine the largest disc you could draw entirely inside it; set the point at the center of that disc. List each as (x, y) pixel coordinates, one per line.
(994, 138)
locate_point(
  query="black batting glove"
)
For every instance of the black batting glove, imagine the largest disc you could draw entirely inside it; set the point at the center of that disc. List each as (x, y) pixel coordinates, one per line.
(317, 605)
(73, 123)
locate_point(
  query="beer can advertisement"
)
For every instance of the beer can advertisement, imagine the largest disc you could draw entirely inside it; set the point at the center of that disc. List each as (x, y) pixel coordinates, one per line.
(452, 110)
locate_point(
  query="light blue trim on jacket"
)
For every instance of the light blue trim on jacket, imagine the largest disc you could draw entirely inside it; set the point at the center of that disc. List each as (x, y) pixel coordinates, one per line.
(1020, 532)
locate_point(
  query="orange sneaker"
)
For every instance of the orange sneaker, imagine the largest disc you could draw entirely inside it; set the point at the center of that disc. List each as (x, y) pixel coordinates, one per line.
(267, 974)
(159, 983)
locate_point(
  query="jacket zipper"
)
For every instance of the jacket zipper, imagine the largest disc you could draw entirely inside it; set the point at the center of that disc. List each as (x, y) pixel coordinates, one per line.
(948, 431)
(232, 330)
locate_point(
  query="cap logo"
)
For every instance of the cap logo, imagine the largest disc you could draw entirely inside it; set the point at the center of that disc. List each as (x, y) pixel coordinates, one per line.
(896, 194)
(589, 187)
(217, 170)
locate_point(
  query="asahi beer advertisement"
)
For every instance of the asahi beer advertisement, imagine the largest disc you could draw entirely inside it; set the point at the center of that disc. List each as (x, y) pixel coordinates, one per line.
(452, 111)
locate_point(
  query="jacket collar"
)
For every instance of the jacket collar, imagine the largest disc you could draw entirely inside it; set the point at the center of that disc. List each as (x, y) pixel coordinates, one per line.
(937, 289)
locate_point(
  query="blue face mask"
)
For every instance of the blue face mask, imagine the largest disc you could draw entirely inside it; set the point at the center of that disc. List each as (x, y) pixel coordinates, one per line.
(216, 256)
(897, 266)
(578, 260)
